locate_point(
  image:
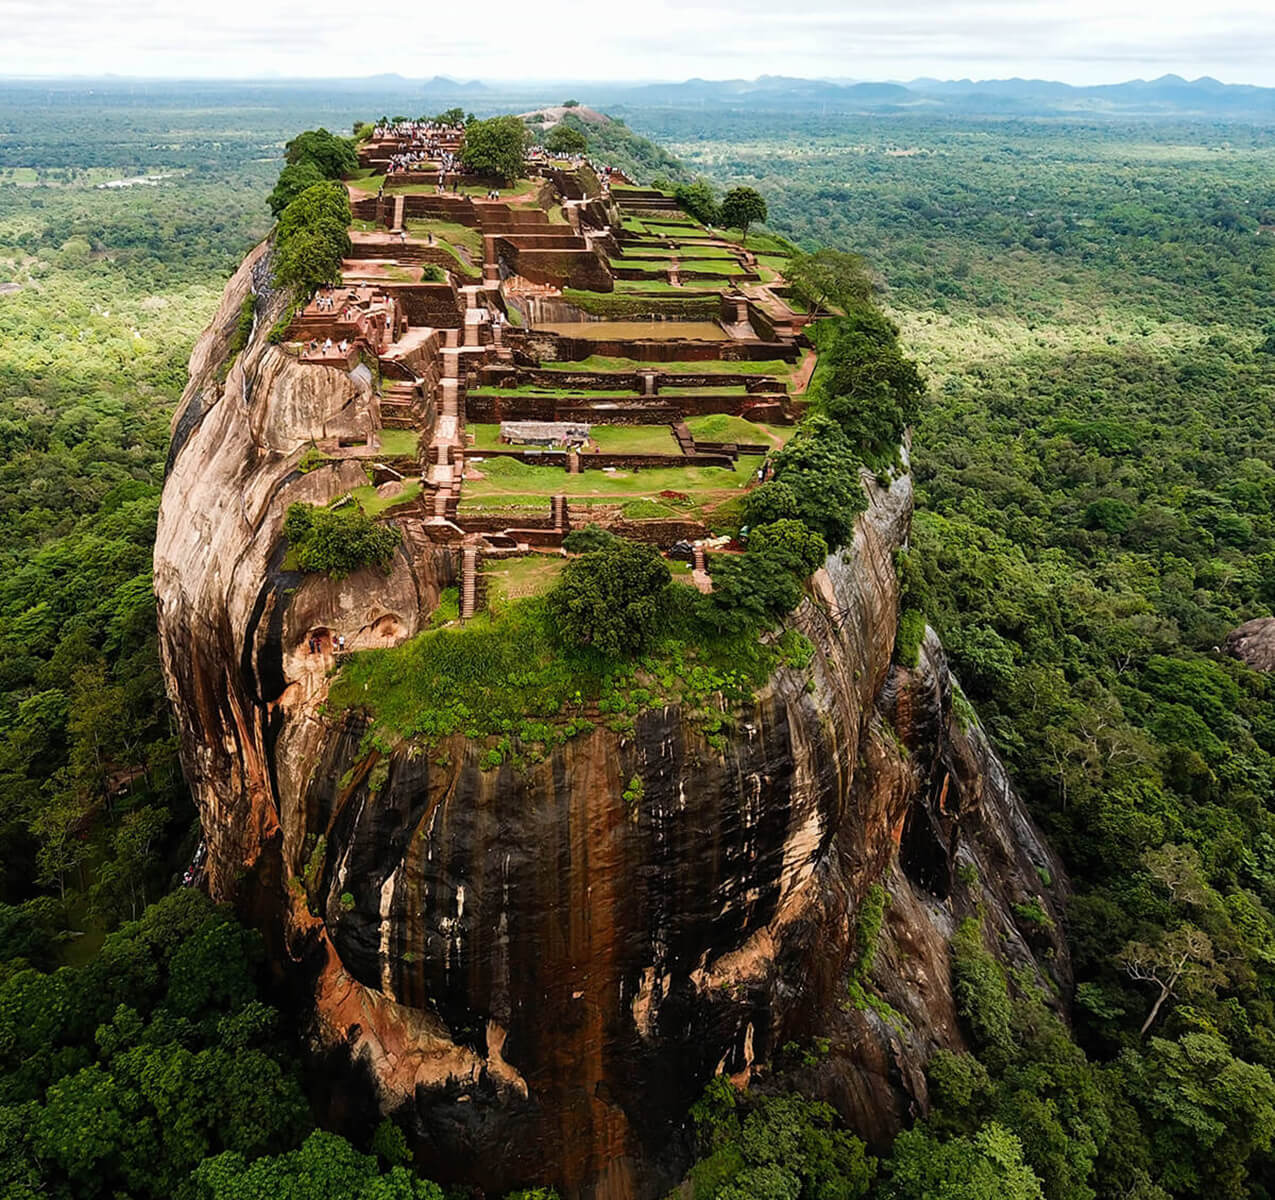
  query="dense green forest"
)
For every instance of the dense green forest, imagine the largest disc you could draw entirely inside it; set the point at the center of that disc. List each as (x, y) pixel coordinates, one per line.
(1093, 305)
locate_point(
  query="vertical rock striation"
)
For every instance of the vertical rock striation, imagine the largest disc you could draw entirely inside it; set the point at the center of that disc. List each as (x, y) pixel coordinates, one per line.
(533, 971)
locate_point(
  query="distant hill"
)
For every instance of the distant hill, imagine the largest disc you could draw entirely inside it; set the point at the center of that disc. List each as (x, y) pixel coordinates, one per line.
(1169, 95)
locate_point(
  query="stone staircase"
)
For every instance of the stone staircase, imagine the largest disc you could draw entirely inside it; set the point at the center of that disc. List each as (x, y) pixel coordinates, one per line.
(400, 202)
(468, 583)
(400, 403)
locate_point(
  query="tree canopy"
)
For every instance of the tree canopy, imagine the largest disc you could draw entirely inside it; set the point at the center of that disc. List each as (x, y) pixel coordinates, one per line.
(497, 146)
(612, 599)
(338, 541)
(312, 238)
(566, 139)
(743, 207)
(333, 156)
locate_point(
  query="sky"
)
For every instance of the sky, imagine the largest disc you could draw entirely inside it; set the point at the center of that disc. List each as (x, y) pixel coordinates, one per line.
(1077, 41)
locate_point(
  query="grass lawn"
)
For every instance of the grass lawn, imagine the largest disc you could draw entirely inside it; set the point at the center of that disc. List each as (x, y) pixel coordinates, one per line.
(364, 181)
(448, 231)
(373, 503)
(722, 427)
(706, 266)
(557, 393)
(510, 579)
(712, 366)
(662, 287)
(508, 483)
(400, 443)
(507, 675)
(634, 439)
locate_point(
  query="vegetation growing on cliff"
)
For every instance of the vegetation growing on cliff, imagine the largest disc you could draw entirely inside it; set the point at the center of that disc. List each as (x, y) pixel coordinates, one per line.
(508, 678)
(312, 237)
(338, 541)
(1091, 304)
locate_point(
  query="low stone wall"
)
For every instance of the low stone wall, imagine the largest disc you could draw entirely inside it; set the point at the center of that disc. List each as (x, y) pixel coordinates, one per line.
(458, 209)
(582, 269)
(660, 533)
(498, 522)
(636, 462)
(565, 349)
(732, 448)
(434, 304)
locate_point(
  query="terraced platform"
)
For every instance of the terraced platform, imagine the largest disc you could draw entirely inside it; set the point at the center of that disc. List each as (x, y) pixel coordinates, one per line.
(578, 352)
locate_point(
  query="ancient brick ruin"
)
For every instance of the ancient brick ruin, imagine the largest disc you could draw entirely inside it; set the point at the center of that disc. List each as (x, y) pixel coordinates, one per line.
(573, 297)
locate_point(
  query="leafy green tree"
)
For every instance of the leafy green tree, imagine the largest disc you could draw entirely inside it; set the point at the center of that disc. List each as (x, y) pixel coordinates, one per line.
(775, 1146)
(497, 146)
(293, 180)
(1181, 960)
(699, 200)
(791, 543)
(829, 276)
(326, 1167)
(566, 139)
(333, 156)
(1208, 1113)
(750, 591)
(768, 503)
(336, 542)
(742, 207)
(312, 237)
(867, 385)
(820, 468)
(987, 1166)
(613, 599)
(591, 537)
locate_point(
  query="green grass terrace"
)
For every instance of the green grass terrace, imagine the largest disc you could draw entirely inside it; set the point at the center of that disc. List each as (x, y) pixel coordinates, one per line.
(507, 484)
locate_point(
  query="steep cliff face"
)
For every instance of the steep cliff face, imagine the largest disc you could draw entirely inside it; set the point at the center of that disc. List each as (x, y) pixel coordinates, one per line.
(537, 970)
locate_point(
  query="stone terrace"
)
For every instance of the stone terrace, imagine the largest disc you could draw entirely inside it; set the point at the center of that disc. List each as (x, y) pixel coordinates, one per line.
(572, 301)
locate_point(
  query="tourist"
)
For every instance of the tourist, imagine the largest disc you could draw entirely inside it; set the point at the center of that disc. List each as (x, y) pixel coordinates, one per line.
(327, 346)
(340, 643)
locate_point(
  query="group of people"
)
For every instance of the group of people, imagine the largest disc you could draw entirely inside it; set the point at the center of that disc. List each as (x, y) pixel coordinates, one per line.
(415, 130)
(316, 643)
(314, 346)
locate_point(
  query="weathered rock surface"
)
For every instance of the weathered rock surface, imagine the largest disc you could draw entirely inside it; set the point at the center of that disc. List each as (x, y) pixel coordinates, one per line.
(534, 974)
(1254, 643)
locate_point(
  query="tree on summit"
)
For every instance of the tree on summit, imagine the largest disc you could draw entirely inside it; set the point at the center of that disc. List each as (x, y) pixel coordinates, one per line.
(565, 139)
(741, 207)
(612, 599)
(496, 147)
(331, 155)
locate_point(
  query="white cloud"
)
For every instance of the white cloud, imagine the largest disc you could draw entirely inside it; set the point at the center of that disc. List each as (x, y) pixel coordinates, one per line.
(1082, 41)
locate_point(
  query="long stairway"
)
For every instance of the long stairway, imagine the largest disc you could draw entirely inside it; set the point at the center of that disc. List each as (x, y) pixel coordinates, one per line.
(468, 582)
(400, 203)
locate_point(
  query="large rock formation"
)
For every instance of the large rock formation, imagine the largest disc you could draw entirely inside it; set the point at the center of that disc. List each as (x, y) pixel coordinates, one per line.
(1253, 643)
(533, 972)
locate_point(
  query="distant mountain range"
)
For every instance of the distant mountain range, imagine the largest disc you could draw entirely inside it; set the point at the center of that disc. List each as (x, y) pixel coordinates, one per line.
(1169, 95)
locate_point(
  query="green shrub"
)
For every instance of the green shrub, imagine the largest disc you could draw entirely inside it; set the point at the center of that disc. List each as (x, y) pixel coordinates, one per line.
(907, 642)
(591, 537)
(982, 993)
(336, 542)
(612, 599)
